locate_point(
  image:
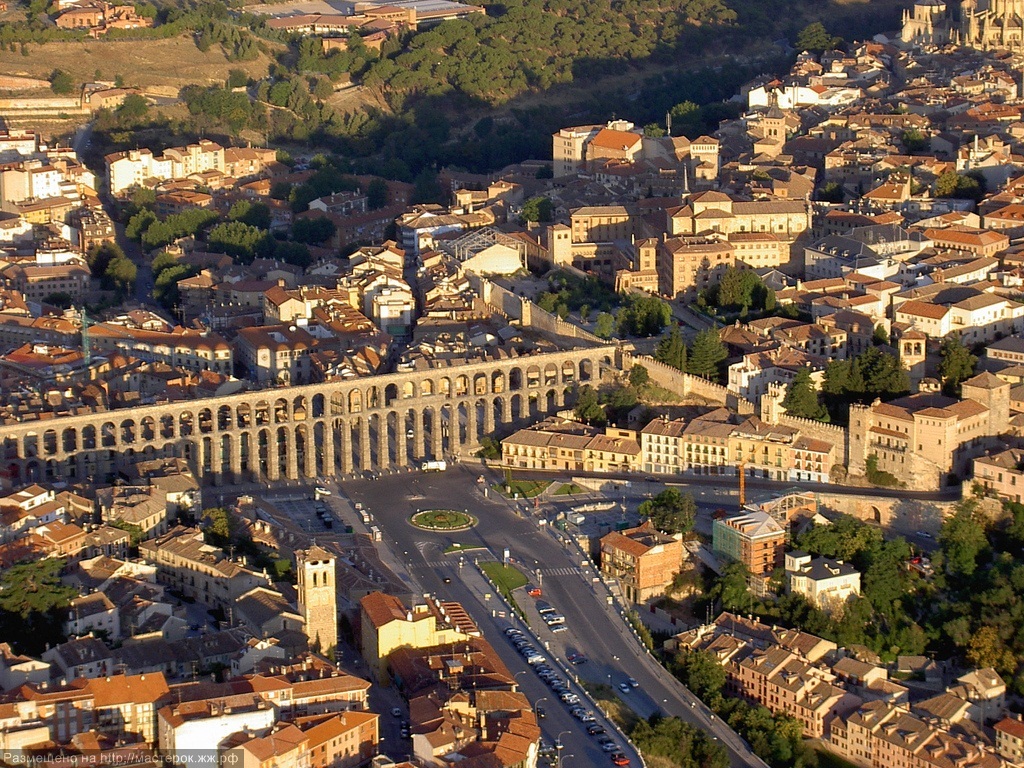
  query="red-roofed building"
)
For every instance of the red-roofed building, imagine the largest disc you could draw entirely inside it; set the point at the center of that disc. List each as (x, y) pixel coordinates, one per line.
(643, 560)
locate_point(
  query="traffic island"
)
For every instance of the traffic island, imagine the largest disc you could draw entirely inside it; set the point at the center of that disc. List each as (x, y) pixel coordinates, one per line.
(447, 520)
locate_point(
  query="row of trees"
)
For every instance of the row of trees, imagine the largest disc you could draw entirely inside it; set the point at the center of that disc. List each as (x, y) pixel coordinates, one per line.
(115, 271)
(704, 358)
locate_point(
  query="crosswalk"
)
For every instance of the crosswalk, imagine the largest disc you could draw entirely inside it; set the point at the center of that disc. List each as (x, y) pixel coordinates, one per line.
(560, 571)
(431, 565)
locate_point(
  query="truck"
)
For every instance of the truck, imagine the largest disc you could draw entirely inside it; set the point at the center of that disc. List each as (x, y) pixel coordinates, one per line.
(435, 466)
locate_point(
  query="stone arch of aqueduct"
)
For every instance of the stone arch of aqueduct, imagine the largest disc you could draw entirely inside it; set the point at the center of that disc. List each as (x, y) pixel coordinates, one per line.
(308, 431)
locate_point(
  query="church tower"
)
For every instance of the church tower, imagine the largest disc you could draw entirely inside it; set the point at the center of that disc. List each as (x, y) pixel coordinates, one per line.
(318, 598)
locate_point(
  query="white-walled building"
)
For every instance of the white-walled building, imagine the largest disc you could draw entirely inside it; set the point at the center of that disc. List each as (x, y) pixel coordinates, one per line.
(826, 583)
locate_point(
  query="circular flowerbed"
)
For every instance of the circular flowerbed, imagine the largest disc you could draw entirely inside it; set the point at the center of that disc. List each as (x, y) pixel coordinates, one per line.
(443, 520)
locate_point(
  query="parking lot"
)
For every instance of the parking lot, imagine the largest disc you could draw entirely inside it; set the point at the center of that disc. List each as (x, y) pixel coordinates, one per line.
(309, 514)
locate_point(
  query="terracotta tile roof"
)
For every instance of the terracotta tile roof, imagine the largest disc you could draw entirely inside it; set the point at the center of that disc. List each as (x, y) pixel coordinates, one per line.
(611, 139)
(922, 309)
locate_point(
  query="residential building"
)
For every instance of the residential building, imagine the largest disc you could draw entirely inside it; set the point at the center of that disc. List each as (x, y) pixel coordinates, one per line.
(193, 350)
(752, 538)
(1010, 739)
(1001, 474)
(661, 446)
(826, 583)
(643, 561)
(206, 724)
(198, 570)
(387, 625)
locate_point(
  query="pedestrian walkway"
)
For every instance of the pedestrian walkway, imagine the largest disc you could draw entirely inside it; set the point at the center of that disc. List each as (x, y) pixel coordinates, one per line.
(560, 571)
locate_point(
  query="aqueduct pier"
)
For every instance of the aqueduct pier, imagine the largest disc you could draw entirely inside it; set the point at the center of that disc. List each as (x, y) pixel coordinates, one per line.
(308, 431)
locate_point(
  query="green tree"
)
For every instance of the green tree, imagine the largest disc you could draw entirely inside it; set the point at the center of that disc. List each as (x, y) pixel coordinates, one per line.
(240, 240)
(962, 539)
(313, 231)
(831, 192)
(802, 397)
(237, 78)
(99, 257)
(706, 355)
(731, 589)
(61, 82)
(670, 511)
(59, 299)
(376, 194)
(701, 673)
(957, 364)
(680, 743)
(132, 111)
(653, 131)
(254, 214)
(961, 186)
(604, 325)
(816, 39)
(139, 223)
(671, 349)
(643, 316)
(913, 140)
(218, 526)
(638, 376)
(120, 274)
(880, 335)
(588, 409)
(32, 599)
(537, 209)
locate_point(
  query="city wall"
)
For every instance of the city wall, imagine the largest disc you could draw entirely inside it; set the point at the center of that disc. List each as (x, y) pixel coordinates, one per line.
(688, 385)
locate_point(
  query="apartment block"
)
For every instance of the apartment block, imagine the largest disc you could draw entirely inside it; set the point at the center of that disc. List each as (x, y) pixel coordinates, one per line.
(753, 538)
(643, 560)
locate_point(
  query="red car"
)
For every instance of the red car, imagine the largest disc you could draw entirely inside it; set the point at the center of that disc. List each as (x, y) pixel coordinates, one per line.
(620, 759)
(533, 591)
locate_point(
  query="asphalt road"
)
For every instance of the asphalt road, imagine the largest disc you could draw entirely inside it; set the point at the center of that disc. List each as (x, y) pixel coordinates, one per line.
(613, 650)
(729, 483)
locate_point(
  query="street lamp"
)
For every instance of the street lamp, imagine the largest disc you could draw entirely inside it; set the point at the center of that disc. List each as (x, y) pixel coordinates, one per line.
(558, 741)
(561, 758)
(517, 674)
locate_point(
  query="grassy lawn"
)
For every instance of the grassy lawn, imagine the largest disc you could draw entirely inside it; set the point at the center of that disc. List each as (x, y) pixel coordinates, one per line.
(614, 707)
(828, 759)
(505, 577)
(526, 489)
(568, 489)
(443, 520)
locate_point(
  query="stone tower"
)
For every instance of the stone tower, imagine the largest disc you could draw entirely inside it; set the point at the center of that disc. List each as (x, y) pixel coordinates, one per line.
(318, 598)
(913, 348)
(994, 393)
(771, 403)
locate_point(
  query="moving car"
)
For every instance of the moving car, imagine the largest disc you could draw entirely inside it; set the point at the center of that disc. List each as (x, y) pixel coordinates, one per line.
(619, 759)
(624, 687)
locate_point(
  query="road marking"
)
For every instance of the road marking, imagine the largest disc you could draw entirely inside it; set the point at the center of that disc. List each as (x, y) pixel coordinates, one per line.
(560, 571)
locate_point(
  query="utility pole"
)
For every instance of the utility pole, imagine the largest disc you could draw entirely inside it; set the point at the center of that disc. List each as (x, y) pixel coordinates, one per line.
(743, 484)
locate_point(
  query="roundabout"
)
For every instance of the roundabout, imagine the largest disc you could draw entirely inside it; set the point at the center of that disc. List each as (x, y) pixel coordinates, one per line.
(448, 520)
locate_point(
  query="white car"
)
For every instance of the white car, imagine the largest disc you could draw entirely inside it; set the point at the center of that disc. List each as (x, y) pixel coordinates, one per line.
(624, 687)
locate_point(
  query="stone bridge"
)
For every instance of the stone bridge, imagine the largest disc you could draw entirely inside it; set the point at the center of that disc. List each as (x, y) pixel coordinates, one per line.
(307, 431)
